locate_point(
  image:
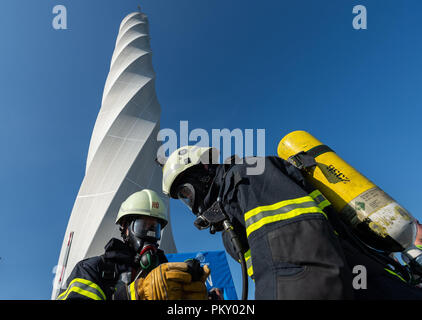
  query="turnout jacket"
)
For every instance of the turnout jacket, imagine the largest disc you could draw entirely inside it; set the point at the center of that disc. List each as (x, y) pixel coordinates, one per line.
(104, 277)
(294, 244)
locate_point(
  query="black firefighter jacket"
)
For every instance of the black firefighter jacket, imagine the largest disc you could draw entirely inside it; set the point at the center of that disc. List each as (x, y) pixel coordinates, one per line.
(293, 244)
(99, 278)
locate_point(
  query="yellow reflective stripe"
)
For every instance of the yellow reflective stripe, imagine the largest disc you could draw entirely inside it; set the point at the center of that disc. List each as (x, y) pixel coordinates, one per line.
(73, 287)
(64, 294)
(282, 210)
(395, 274)
(324, 204)
(320, 199)
(93, 286)
(282, 216)
(83, 292)
(132, 291)
(315, 194)
(250, 271)
(80, 291)
(248, 260)
(259, 216)
(247, 255)
(61, 295)
(276, 206)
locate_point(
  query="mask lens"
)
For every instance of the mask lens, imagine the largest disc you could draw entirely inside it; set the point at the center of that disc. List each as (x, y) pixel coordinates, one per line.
(186, 193)
(147, 227)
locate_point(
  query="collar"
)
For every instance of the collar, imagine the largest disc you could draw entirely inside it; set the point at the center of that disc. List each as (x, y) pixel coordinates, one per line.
(216, 185)
(119, 251)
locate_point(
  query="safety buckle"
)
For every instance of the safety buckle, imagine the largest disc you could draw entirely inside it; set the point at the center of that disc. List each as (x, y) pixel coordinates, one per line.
(302, 160)
(211, 218)
(296, 160)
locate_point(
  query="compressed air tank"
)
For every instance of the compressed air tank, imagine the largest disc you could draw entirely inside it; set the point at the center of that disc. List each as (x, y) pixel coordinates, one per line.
(374, 216)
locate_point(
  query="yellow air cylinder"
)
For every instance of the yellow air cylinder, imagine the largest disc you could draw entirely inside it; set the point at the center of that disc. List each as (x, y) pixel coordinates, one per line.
(378, 220)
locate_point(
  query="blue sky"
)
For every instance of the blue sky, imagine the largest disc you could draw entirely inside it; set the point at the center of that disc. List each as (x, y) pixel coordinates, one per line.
(273, 65)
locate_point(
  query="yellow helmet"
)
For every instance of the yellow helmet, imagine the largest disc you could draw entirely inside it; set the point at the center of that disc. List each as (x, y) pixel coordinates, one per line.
(144, 203)
(183, 159)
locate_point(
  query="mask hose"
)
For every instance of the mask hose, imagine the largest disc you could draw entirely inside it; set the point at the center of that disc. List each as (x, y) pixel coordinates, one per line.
(216, 219)
(238, 248)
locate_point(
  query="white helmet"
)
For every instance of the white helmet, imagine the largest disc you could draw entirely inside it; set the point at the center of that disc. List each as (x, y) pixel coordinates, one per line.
(142, 217)
(183, 159)
(144, 203)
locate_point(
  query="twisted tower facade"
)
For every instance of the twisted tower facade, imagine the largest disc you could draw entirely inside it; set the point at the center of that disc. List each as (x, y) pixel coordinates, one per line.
(122, 151)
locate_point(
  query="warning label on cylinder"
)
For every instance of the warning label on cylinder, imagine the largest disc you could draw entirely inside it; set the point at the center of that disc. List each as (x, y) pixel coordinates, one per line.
(365, 204)
(379, 210)
(390, 220)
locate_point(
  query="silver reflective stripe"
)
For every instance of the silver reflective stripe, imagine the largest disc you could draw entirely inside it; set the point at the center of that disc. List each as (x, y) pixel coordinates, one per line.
(248, 260)
(282, 210)
(85, 288)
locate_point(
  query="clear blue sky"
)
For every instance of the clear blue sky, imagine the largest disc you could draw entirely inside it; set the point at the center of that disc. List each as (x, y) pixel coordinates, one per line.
(273, 65)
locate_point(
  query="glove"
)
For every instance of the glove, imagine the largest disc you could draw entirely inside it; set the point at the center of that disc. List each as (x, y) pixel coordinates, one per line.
(197, 290)
(165, 282)
(168, 281)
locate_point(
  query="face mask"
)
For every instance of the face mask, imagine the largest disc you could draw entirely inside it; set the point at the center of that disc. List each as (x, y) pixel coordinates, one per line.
(143, 236)
(196, 187)
(186, 193)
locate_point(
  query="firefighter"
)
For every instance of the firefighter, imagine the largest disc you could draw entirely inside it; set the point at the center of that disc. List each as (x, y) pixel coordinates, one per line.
(293, 244)
(135, 268)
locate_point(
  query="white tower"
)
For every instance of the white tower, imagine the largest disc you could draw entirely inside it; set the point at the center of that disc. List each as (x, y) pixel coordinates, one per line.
(122, 152)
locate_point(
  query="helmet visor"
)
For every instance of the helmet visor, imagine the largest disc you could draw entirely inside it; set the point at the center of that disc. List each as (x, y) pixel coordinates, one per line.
(146, 227)
(186, 193)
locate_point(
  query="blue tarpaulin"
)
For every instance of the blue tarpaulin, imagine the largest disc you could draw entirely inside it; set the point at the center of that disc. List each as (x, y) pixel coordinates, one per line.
(220, 276)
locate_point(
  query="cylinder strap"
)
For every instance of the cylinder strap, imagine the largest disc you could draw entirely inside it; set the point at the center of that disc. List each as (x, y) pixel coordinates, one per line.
(318, 150)
(304, 160)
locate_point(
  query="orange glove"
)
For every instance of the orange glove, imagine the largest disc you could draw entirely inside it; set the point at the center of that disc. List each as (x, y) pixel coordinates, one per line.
(169, 281)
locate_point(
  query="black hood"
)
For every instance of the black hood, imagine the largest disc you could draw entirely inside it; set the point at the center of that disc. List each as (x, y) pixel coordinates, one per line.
(119, 252)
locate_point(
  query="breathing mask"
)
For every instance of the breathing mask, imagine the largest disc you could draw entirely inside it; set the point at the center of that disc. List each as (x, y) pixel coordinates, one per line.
(194, 188)
(143, 235)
